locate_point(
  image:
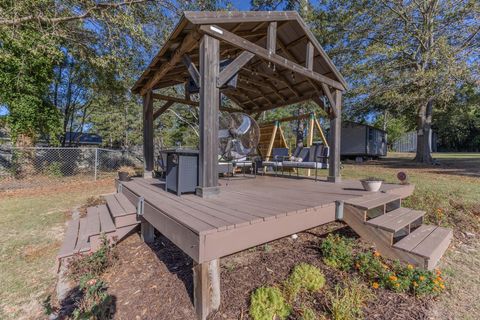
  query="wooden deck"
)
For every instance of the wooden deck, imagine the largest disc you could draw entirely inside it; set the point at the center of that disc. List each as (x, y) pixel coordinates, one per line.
(248, 211)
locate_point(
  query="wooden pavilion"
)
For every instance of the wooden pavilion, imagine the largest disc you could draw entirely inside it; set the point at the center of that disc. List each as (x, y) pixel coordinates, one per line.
(277, 62)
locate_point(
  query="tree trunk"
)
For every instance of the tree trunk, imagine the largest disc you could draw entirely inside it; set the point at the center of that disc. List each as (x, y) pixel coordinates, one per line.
(424, 127)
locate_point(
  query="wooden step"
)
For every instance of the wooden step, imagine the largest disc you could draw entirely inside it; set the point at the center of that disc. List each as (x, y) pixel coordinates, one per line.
(119, 205)
(83, 244)
(429, 242)
(93, 221)
(373, 200)
(70, 240)
(122, 210)
(397, 219)
(106, 222)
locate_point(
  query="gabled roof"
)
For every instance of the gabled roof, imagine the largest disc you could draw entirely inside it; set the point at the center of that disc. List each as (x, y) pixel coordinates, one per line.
(260, 83)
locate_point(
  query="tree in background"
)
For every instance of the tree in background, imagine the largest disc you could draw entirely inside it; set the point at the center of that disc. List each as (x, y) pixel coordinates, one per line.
(80, 57)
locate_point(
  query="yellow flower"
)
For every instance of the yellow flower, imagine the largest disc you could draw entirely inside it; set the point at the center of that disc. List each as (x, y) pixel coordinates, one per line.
(410, 267)
(415, 284)
(384, 266)
(393, 278)
(397, 284)
(375, 285)
(442, 286)
(421, 278)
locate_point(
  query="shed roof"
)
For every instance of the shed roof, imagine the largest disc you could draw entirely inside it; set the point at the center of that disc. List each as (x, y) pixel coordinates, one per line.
(261, 84)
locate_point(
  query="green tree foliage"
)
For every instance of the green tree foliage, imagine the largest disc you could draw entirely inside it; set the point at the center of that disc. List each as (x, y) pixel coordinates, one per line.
(80, 57)
(26, 65)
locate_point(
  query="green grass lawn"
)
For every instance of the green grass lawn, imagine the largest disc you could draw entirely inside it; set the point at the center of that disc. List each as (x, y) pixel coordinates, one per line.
(32, 224)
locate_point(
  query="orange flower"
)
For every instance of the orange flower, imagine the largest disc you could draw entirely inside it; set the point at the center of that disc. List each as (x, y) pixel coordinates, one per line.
(375, 285)
(421, 278)
(439, 279)
(415, 284)
(397, 284)
(438, 271)
(376, 254)
(410, 267)
(442, 286)
(393, 278)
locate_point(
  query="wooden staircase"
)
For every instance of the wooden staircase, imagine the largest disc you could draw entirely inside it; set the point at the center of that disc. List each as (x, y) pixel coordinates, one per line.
(115, 219)
(397, 232)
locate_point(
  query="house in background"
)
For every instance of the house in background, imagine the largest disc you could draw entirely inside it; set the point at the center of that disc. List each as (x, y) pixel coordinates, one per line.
(361, 140)
(82, 139)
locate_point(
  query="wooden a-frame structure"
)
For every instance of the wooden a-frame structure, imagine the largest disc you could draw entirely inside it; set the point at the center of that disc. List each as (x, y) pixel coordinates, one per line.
(273, 132)
(278, 62)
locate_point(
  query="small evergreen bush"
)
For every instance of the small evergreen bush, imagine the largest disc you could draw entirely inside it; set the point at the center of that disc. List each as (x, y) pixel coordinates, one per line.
(267, 303)
(304, 277)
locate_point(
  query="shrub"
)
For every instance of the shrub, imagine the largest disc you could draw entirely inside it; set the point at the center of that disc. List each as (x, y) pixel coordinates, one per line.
(304, 277)
(54, 169)
(93, 264)
(307, 314)
(267, 303)
(337, 252)
(346, 303)
(95, 303)
(397, 276)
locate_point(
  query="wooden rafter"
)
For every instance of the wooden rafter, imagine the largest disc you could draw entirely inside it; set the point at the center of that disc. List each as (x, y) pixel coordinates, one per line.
(226, 36)
(187, 44)
(233, 68)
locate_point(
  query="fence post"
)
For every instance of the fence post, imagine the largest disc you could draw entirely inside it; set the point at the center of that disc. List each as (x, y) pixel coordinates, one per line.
(96, 162)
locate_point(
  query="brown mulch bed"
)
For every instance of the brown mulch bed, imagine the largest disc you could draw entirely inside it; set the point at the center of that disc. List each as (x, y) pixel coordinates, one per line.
(155, 282)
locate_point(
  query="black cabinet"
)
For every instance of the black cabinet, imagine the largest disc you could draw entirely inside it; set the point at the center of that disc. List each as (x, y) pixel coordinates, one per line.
(182, 170)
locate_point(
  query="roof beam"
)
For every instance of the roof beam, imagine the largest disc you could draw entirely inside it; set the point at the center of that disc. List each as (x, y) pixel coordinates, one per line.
(308, 66)
(162, 109)
(272, 37)
(309, 56)
(233, 68)
(226, 36)
(202, 17)
(192, 69)
(331, 100)
(187, 44)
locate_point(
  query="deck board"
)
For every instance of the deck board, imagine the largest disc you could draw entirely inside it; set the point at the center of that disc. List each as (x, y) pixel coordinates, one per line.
(248, 211)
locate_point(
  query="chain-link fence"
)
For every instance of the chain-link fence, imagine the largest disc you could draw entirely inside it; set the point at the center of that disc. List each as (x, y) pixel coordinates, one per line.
(49, 163)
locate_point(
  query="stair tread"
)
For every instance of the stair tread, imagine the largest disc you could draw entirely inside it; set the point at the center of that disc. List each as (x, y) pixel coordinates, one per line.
(397, 219)
(82, 241)
(413, 239)
(93, 221)
(431, 245)
(373, 200)
(106, 222)
(70, 239)
(115, 206)
(126, 204)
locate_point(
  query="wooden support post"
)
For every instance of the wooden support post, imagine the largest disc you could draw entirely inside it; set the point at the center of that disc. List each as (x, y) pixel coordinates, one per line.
(206, 288)
(148, 134)
(209, 110)
(147, 231)
(335, 132)
(311, 122)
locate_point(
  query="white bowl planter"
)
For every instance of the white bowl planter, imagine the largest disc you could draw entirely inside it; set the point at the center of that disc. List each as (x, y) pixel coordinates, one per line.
(371, 185)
